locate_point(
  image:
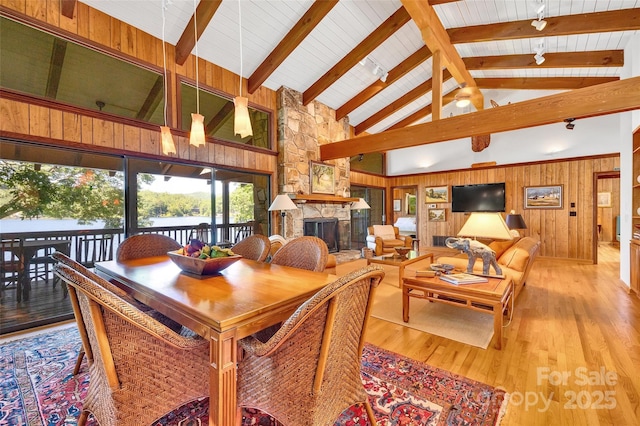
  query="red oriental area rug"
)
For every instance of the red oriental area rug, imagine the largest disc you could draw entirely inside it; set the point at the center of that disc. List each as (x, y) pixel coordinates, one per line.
(38, 388)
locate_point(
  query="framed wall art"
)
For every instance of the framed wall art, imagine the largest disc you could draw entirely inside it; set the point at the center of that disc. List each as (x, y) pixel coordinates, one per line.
(543, 197)
(437, 215)
(437, 194)
(397, 205)
(323, 179)
(411, 204)
(604, 199)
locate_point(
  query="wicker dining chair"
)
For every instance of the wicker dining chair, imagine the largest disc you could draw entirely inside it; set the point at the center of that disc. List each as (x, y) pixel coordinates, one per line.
(303, 252)
(145, 245)
(254, 247)
(309, 371)
(142, 369)
(86, 348)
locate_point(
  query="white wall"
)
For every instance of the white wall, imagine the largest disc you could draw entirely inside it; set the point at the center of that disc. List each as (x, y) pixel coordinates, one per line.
(591, 136)
(629, 122)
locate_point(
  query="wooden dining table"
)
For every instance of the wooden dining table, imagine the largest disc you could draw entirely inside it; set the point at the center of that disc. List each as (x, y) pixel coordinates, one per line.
(244, 298)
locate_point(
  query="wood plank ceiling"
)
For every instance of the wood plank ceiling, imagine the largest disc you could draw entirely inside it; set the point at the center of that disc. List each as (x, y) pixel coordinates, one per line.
(373, 61)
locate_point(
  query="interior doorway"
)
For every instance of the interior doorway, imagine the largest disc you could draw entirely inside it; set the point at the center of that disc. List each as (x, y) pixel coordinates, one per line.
(405, 210)
(606, 205)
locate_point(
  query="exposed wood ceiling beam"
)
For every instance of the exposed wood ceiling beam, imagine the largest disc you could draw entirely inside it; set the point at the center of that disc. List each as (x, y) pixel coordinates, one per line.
(55, 67)
(607, 98)
(422, 113)
(587, 23)
(67, 8)
(204, 12)
(542, 83)
(152, 101)
(418, 57)
(434, 2)
(294, 37)
(436, 38)
(402, 101)
(373, 40)
(598, 58)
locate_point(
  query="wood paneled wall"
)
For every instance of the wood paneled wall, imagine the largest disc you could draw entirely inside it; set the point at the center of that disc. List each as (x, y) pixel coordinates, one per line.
(92, 27)
(562, 235)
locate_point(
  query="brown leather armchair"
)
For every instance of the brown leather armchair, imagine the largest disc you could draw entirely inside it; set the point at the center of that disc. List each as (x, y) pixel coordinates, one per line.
(384, 239)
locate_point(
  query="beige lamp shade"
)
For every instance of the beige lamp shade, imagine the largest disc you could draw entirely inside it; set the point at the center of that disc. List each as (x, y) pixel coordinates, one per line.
(242, 122)
(361, 204)
(282, 202)
(168, 146)
(196, 138)
(485, 225)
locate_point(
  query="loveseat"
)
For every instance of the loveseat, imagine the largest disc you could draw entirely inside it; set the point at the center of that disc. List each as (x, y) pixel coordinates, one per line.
(385, 238)
(515, 257)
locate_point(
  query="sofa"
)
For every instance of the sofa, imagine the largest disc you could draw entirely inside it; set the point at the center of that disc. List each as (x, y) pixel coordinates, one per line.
(384, 239)
(515, 257)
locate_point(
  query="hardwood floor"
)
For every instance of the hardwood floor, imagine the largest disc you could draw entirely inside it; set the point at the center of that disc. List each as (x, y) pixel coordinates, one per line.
(571, 320)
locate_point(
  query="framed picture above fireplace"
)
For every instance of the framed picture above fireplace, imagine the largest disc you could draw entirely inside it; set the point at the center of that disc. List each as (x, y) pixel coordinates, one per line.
(322, 178)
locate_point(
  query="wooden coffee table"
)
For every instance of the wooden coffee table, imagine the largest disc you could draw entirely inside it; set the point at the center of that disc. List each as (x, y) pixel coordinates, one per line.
(401, 262)
(493, 297)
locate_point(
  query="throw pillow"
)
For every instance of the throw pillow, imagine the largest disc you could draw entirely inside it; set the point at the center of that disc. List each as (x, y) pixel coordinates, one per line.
(385, 232)
(500, 246)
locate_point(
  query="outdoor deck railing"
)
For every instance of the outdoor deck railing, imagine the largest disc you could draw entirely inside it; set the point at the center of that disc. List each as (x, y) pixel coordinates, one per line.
(95, 245)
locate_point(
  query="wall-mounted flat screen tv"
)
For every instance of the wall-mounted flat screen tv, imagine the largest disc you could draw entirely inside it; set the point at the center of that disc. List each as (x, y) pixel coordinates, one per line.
(486, 197)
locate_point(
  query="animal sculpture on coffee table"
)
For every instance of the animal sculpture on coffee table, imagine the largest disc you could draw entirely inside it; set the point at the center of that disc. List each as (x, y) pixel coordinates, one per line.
(475, 249)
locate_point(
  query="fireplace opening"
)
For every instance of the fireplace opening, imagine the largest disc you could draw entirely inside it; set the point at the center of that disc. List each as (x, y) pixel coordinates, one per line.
(326, 230)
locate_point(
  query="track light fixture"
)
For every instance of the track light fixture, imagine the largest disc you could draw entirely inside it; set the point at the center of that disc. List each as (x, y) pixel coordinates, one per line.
(539, 56)
(539, 23)
(569, 125)
(375, 68)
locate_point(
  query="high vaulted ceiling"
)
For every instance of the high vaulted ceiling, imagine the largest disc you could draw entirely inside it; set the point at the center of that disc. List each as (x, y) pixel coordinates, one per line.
(486, 48)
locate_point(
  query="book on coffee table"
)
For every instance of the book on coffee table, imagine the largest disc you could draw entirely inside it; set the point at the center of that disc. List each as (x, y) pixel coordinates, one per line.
(462, 278)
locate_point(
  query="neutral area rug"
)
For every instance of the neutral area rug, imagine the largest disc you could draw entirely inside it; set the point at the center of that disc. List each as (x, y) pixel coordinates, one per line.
(462, 325)
(38, 388)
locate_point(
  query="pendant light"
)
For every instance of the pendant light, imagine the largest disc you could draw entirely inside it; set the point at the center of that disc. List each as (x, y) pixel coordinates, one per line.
(168, 145)
(196, 138)
(241, 120)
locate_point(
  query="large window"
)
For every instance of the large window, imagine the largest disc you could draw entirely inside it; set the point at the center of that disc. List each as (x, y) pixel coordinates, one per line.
(87, 203)
(218, 117)
(39, 64)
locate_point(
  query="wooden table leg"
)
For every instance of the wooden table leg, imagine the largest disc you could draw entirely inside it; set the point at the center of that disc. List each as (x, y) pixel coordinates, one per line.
(222, 379)
(405, 303)
(497, 324)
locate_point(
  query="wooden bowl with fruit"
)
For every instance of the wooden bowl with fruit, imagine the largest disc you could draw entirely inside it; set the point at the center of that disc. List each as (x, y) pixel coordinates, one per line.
(202, 259)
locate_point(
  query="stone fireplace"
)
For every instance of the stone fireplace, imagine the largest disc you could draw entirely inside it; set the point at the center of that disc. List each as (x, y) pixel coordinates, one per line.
(301, 131)
(326, 229)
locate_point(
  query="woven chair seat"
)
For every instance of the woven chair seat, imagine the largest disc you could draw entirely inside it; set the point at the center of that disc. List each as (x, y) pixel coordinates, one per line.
(308, 372)
(141, 369)
(254, 247)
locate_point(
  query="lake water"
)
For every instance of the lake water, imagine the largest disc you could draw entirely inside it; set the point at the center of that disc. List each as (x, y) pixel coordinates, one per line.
(36, 225)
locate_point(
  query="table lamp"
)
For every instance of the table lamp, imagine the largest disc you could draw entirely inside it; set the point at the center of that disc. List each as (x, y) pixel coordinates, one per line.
(481, 225)
(514, 222)
(281, 203)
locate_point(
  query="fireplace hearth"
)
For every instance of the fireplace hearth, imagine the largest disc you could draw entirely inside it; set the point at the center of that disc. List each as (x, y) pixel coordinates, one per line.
(326, 229)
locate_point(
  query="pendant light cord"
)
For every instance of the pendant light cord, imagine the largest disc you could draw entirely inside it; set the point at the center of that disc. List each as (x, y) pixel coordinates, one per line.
(195, 32)
(240, 28)
(164, 60)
